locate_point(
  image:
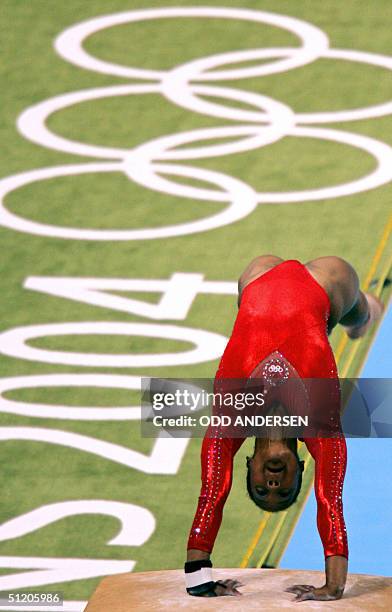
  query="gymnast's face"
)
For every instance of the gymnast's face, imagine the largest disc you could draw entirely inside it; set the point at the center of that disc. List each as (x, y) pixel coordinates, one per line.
(274, 472)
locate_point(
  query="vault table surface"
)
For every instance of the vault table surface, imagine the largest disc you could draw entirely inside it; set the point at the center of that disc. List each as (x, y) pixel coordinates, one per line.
(263, 590)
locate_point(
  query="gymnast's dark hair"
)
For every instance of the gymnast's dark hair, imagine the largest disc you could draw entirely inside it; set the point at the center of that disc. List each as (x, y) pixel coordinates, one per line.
(284, 504)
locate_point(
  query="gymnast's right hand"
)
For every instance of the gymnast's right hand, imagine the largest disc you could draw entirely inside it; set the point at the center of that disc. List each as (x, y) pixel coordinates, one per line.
(199, 583)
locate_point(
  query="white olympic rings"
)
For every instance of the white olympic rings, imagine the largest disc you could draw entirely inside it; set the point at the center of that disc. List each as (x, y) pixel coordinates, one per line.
(189, 86)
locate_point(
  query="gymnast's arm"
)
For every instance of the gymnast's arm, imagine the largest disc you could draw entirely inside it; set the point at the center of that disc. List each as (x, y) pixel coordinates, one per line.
(330, 455)
(217, 456)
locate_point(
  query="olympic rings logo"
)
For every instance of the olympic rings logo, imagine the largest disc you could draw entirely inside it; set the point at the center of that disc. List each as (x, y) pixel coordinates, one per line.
(275, 368)
(155, 164)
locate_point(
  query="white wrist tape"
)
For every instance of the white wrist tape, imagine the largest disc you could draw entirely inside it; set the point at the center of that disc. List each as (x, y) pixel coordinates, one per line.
(199, 577)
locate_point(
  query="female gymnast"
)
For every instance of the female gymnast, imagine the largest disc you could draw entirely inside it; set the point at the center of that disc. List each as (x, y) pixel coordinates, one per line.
(286, 311)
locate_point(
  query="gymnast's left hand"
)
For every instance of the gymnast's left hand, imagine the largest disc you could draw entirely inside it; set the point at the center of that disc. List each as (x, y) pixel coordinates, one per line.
(304, 592)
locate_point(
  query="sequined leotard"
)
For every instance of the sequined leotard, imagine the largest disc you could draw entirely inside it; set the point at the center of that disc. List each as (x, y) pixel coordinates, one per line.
(284, 311)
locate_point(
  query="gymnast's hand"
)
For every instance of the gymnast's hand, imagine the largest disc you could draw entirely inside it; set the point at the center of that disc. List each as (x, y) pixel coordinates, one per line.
(227, 587)
(335, 575)
(307, 591)
(198, 578)
(220, 588)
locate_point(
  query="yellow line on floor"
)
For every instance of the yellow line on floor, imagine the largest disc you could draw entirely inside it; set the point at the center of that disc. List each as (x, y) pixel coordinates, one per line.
(273, 538)
(253, 544)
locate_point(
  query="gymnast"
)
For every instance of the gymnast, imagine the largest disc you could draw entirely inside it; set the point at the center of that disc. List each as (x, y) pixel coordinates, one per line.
(286, 312)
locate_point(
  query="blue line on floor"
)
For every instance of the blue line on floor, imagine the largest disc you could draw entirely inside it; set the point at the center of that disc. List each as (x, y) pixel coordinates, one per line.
(367, 491)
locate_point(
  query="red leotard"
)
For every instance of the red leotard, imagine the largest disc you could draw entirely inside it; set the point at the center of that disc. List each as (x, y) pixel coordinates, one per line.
(283, 310)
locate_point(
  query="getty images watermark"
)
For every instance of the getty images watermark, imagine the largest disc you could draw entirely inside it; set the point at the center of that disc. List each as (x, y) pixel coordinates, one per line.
(239, 401)
(301, 408)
